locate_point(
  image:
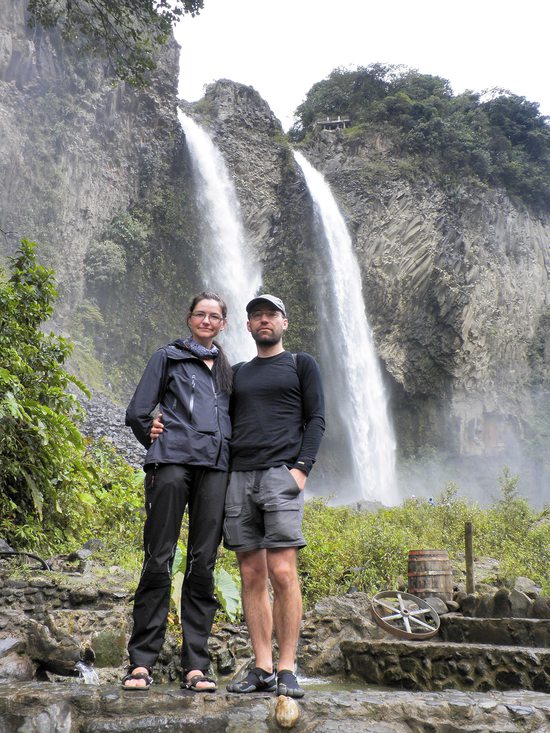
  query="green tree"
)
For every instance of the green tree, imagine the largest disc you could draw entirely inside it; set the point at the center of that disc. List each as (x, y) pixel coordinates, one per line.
(38, 435)
(128, 33)
(502, 140)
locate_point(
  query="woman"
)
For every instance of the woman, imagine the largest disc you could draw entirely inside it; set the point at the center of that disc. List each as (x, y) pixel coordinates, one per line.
(190, 379)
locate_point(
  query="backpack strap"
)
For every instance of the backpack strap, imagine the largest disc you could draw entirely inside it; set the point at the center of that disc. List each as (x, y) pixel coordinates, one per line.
(299, 365)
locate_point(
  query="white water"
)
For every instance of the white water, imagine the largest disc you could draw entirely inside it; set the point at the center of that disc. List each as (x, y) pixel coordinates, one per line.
(360, 397)
(87, 673)
(227, 266)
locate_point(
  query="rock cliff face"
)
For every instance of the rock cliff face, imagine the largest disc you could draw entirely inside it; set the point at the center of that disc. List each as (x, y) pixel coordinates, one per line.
(93, 170)
(455, 279)
(456, 287)
(70, 145)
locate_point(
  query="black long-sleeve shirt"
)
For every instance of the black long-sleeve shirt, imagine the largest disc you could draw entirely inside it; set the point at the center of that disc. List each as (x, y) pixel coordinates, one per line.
(277, 416)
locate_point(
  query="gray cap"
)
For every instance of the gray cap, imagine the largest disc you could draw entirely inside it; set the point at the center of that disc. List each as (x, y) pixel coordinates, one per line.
(266, 298)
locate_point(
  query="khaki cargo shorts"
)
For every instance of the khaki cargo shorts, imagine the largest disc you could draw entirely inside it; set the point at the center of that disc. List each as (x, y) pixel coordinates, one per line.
(263, 510)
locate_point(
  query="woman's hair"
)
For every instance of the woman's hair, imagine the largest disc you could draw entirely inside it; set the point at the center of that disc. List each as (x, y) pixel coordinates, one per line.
(221, 371)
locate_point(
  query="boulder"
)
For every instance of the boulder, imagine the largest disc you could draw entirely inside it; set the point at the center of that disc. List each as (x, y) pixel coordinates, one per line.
(527, 586)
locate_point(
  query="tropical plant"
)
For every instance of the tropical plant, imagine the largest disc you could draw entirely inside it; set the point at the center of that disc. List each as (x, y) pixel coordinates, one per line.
(38, 436)
(56, 488)
(226, 587)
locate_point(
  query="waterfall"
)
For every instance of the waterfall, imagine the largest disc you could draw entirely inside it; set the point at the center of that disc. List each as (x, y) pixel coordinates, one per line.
(227, 266)
(349, 359)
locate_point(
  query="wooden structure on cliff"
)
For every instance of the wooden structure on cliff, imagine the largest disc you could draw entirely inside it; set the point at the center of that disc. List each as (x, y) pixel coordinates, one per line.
(338, 124)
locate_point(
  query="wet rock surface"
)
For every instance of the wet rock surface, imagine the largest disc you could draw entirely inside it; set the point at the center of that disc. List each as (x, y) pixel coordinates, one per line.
(73, 707)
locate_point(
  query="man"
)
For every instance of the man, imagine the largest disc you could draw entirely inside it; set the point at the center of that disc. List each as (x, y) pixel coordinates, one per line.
(277, 413)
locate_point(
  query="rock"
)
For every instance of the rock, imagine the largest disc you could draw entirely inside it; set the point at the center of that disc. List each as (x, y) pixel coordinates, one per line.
(94, 544)
(83, 595)
(287, 712)
(527, 586)
(330, 622)
(436, 665)
(484, 606)
(109, 647)
(438, 605)
(541, 607)
(16, 667)
(11, 644)
(82, 554)
(226, 663)
(46, 651)
(105, 632)
(520, 604)
(501, 605)
(51, 706)
(486, 569)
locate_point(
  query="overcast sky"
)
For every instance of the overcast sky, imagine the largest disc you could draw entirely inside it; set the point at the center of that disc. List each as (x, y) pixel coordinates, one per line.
(283, 47)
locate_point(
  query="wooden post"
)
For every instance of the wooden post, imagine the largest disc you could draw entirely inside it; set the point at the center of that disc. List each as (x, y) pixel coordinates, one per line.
(469, 544)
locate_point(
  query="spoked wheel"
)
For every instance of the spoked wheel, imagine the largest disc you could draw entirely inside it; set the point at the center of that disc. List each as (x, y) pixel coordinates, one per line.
(404, 615)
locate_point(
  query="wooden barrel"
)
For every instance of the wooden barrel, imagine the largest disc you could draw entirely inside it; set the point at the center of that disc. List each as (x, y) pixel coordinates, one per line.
(430, 574)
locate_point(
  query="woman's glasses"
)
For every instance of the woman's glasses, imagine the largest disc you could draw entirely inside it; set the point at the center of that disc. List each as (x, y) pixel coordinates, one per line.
(202, 316)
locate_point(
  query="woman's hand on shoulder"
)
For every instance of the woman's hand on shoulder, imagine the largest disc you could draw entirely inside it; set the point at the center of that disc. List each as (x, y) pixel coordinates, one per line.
(157, 428)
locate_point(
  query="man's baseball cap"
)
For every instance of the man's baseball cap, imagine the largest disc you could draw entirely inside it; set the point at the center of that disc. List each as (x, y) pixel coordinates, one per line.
(266, 298)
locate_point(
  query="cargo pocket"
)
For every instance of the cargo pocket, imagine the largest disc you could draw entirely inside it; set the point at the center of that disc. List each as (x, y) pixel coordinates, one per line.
(283, 523)
(232, 530)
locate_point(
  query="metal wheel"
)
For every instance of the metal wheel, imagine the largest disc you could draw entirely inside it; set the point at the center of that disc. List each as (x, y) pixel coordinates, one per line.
(404, 615)
(26, 558)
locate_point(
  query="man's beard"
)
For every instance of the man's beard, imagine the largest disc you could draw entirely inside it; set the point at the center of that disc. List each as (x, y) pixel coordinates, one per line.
(267, 339)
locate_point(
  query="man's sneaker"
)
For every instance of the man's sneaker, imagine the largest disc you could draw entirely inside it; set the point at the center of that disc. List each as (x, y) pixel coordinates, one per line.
(287, 684)
(257, 680)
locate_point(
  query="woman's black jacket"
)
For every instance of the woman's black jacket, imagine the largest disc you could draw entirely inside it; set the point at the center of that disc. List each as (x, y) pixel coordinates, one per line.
(196, 422)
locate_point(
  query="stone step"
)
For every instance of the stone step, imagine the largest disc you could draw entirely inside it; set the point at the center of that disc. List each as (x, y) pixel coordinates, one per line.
(437, 665)
(534, 632)
(56, 708)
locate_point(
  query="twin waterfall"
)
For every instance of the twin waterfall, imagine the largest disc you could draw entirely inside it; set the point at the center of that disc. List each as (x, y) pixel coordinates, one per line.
(227, 267)
(356, 390)
(356, 399)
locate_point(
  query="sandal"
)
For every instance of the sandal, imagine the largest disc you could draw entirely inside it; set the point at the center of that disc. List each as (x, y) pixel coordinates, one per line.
(287, 684)
(192, 684)
(137, 676)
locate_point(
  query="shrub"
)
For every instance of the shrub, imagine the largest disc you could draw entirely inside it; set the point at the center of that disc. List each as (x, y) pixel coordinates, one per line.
(370, 550)
(55, 488)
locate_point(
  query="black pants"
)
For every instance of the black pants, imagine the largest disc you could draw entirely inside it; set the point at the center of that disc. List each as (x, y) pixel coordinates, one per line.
(168, 489)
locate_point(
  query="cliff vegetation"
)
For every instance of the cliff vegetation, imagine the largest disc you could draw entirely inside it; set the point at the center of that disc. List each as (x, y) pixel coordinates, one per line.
(498, 138)
(128, 33)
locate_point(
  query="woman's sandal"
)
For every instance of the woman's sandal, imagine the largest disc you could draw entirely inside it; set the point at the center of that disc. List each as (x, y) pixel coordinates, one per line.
(191, 684)
(137, 676)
